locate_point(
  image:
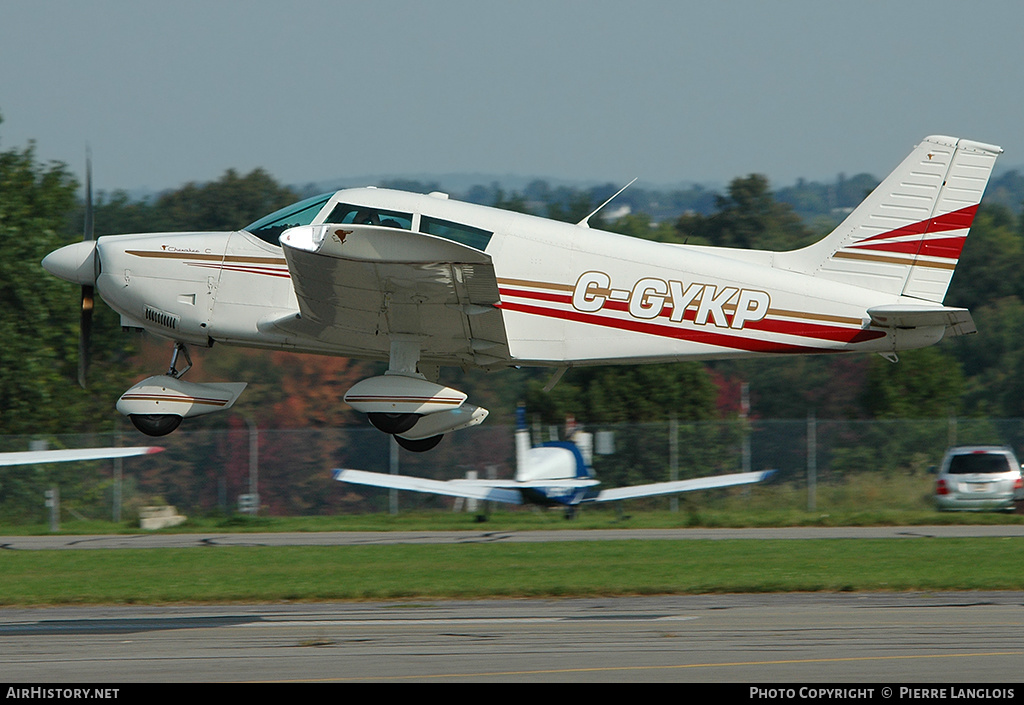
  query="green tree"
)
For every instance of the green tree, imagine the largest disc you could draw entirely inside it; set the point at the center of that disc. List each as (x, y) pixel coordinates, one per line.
(748, 217)
(627, 393)
(991, 261)
(230, 203)
(925, 383)
(39, 325)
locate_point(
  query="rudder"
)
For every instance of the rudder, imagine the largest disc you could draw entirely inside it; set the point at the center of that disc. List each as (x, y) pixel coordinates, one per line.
(905, 238)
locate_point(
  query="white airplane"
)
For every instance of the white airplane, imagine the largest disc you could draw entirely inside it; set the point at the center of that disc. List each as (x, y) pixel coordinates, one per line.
(552, 474)
(424, 281)
(39, 457)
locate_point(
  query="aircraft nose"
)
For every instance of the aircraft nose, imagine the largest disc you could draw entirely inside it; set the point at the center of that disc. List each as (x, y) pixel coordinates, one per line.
(74, 263)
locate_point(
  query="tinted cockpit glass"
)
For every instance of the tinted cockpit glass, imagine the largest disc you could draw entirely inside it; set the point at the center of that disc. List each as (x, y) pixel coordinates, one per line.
(270, 227)
(457, 232)
(348, 214)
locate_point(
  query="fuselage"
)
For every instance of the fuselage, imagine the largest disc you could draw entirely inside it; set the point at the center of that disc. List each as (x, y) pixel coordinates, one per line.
(569, 294)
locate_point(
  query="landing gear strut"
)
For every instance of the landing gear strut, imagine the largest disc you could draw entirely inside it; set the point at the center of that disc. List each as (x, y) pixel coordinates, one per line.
(179, 348)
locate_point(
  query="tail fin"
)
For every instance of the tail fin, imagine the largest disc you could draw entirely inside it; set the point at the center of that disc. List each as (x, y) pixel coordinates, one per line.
(907, 235)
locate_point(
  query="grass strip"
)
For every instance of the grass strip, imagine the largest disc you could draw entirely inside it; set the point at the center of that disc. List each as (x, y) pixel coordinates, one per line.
(312, 573)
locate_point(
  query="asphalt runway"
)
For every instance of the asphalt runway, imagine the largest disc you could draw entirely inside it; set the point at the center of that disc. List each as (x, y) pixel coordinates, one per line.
(873, 638)
(877, 639)
(352, 538)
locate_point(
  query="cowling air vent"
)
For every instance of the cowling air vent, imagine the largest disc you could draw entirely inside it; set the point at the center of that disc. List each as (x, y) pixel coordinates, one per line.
(168, 320)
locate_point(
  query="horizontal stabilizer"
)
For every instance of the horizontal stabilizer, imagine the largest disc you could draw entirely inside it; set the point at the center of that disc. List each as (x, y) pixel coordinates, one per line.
(700, 483)
(957, 321)
(455, 488)
(33, 457)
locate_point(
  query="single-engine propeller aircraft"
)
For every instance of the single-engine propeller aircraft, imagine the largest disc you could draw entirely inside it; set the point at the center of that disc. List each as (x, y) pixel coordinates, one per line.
(553, 474)
(424, 281)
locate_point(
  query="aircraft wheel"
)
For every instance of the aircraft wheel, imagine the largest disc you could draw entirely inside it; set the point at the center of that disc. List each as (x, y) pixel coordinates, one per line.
(155, 424)
(420, 445)
(393, 423)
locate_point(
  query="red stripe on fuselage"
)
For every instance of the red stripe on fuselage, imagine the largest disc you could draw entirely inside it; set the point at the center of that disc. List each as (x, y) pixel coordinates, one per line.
(706, 337)
(801, 329)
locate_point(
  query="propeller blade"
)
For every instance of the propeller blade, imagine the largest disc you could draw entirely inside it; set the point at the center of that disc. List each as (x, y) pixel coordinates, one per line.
(89, 231)
(88, 291)
(84, 334)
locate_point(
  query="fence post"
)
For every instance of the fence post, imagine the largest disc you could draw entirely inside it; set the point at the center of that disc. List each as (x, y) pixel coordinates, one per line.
(745, 426)
(812, 461)
(393, 494)
(117, 499)
(673, 458)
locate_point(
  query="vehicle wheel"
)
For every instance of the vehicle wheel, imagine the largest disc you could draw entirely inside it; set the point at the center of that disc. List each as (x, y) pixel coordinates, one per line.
(420, 445)
(155, 424)
(393, 423)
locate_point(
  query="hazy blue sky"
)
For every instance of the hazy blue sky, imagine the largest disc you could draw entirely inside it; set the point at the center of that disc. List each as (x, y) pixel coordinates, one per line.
(669, 91)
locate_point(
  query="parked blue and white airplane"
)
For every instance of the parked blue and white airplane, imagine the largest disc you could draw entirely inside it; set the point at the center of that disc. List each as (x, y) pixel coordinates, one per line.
(554, 474)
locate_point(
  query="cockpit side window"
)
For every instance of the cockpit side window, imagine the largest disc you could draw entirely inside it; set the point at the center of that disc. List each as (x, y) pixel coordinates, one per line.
(348, 214)
(462, 234)
(270, 227)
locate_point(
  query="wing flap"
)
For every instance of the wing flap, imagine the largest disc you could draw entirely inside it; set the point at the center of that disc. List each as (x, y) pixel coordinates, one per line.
(358, 285)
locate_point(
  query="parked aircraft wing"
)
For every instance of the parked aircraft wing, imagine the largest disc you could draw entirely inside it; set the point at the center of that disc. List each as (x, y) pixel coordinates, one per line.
(700, 483)
(957, 321)
(33, 457)
(359, 285)
(454, 488)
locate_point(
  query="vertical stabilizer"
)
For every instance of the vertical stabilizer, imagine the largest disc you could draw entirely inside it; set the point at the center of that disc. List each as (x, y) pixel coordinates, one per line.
(906, 237)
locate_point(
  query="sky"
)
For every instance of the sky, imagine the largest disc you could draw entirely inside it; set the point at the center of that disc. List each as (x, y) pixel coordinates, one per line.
(595, 91)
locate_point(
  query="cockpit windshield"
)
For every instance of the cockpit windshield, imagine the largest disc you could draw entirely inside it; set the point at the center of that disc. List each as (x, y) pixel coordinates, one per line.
(269, 227)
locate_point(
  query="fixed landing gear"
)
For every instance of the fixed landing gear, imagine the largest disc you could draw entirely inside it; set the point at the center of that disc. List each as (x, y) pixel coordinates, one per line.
(404, 404)
(162, 424)
(419, 445)
(157, 405)
(155, 424)
(393, 423)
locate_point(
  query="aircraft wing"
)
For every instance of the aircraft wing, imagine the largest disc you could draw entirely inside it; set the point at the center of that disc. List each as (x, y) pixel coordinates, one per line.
(359, 285)
(957, 321)
(34, 457)
(700, 483)
(453, 488)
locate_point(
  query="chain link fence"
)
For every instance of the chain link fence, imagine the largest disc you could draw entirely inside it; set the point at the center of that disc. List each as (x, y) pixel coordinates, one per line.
(207, 471)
